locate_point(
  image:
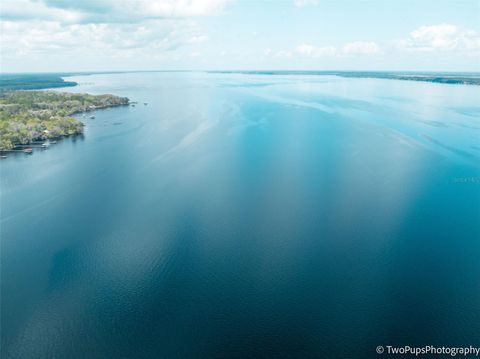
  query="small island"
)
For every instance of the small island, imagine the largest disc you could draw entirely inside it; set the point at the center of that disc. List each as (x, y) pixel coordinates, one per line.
(27, 117)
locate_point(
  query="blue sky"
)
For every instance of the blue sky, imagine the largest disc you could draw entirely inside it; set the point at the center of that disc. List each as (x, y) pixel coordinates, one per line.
(89, 35)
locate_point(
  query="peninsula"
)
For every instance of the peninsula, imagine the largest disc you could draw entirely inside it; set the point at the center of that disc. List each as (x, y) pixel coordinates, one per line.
(34, 81)
(30, 116)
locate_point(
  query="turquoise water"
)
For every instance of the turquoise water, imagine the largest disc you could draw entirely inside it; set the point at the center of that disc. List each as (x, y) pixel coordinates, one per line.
(247, 216)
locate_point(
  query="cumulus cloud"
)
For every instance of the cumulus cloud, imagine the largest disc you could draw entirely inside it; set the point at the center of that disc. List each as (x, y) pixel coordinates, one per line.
(22, 10)
(197, 39)
(22, 38)
(277, 53)
(361, 48)
(315, 52)
(443, 37)
(106, 11)
(119, 28)
(352, 48)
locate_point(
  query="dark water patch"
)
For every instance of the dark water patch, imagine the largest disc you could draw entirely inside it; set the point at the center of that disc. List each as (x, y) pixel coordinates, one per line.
(456, 151)
(434, 123)
(468, 111)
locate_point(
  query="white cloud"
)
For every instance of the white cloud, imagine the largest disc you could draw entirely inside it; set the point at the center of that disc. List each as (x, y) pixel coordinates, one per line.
(277, 53)
(22, 37)
(303, 3)
(20, 10)
(443, 37)
(108, 11)
(352, 48)
(198, 39)
(361, 48)
(315, 52)
(283, 54)
(107, 27)
(176, 8)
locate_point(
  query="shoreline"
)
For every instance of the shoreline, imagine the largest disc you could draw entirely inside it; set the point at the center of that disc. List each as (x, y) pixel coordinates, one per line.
(36, 119)
(45, 81)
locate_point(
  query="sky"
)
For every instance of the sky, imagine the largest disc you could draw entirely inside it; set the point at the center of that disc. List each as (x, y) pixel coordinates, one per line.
(114, 35)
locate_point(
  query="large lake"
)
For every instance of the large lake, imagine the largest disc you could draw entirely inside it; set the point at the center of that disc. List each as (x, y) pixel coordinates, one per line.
(247, 216)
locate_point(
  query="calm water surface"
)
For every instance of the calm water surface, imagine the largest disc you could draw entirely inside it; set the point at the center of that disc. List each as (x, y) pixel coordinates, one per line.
(247, 216)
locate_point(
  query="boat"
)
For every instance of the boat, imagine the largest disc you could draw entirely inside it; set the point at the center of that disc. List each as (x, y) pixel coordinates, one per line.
(145, 103)
(133, 105)
(3, 157)
(45, 145)
(28, 151)
(92, 117)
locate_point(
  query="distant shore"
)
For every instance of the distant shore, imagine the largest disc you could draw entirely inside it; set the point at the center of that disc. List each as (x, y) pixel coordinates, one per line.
(435, 77)
(13, 82)
(37, 81)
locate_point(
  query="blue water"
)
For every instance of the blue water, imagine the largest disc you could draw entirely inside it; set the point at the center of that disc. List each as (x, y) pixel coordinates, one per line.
(247, 216)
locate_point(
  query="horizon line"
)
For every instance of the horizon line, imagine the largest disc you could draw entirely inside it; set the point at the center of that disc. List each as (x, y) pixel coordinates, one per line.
(92, 72)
